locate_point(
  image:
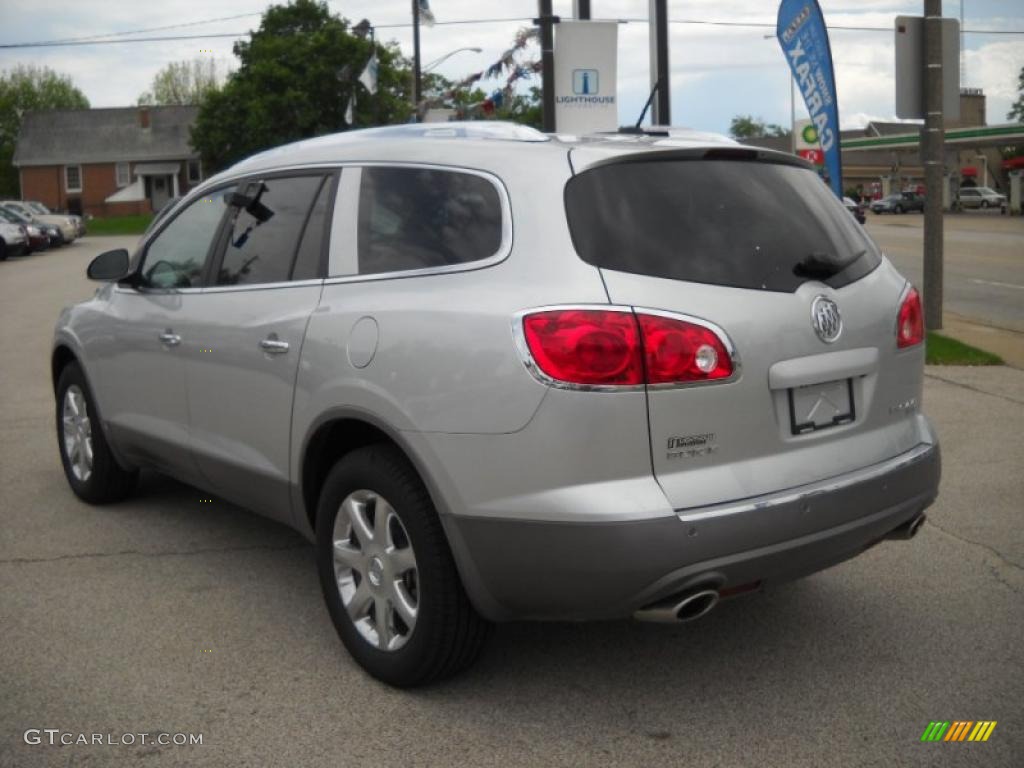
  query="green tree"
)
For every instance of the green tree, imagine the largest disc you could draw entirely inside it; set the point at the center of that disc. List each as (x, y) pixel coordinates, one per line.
(22, 89)
(183, 82)
(1016, 113)
(750, 127)
(296, 76)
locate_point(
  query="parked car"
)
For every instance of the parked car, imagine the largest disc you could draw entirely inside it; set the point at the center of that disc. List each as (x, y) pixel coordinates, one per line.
(901, 202)
(42, 210)
(661, 391)
(35, 237)
(49, 231)
(68, 228)
(13, 241)
(855, 209)
(980, 197)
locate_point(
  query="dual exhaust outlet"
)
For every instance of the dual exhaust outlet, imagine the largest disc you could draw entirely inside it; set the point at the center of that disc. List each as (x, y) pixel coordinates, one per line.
(697, 601)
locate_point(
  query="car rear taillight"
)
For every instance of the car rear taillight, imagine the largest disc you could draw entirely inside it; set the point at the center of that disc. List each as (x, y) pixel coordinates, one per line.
(619, 348)
(910, 321)
(586, 346)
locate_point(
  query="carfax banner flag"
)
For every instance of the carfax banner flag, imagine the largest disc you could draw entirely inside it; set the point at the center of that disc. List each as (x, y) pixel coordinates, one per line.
(804, 39)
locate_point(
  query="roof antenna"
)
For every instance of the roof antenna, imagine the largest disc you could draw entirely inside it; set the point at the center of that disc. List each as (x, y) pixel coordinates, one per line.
(643, 113)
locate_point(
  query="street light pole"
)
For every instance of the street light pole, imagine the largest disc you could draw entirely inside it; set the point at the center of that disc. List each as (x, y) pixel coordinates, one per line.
(417, 75)
(546, 19)
(932, 144)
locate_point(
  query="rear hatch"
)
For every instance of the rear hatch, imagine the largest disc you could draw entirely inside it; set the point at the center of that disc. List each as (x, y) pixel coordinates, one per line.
(756, 244)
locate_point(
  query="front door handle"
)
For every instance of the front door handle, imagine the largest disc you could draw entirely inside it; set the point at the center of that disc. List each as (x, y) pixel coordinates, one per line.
(170, 338)
(273, 346)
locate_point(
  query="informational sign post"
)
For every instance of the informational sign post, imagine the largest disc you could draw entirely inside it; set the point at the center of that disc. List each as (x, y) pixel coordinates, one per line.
(910, 72)
(804, 39)
(585, 83)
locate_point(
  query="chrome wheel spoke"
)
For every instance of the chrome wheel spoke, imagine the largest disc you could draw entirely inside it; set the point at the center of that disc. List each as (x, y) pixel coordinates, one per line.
(382, 517)
(360, 602)
(383, 625)
(402, 560)
(356, 510)
(347, 556)
(403, 603)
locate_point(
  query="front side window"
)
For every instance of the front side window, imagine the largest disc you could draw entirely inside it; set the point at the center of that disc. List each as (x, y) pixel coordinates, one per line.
(73, 178)
(417, 218)
(176, 257)
(265, 234)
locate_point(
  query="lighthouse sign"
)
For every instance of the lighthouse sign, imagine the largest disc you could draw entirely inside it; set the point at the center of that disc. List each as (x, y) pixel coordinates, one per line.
(585, 62)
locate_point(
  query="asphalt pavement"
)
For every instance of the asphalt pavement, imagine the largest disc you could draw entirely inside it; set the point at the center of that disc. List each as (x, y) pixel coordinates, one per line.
(167, 614)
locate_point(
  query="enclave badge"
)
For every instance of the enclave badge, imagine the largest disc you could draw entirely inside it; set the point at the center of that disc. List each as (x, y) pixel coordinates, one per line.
(825, 318)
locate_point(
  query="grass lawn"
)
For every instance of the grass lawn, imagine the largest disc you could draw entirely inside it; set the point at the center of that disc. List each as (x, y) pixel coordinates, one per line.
(119, 225)
(942, 350)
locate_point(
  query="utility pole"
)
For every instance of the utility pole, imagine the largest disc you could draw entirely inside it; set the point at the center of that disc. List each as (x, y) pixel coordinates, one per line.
(932, 143)
(417, 76)
(546, 21)
(581, 9)
(658, 13)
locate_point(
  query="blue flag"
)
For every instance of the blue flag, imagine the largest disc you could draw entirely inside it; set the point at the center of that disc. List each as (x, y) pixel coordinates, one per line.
(804, 39)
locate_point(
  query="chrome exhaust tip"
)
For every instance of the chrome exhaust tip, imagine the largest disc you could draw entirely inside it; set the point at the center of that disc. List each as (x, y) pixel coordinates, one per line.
(686, 606)
(908, 530)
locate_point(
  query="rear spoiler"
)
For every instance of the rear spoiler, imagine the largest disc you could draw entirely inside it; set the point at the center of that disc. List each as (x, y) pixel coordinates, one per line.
(652, 153)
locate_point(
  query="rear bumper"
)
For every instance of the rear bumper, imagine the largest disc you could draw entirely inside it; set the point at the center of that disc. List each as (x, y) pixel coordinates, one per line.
(590, 570)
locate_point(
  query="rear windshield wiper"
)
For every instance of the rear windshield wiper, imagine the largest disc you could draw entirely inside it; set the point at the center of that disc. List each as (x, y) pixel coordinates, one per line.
(821, 266)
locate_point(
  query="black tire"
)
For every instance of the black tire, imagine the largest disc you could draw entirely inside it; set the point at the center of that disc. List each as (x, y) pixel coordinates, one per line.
(448, 634)
(899, 209)
(984, 203)
(108, 481)
(3, 250)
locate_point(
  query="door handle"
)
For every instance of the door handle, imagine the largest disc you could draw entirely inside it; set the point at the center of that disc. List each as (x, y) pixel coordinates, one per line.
(272, 346)
(170, 338)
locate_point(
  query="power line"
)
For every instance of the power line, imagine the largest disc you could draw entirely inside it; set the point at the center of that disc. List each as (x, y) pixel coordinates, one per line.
(102, 39)
(144, 31)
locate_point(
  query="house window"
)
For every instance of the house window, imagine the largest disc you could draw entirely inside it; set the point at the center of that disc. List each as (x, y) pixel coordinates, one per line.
(123, 173)
(195, 172)
(73, 178)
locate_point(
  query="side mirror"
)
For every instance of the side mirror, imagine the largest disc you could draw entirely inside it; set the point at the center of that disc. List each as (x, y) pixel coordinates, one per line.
(110, 265)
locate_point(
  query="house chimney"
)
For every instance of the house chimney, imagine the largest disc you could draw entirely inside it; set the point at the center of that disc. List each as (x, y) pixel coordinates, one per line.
(144, 118)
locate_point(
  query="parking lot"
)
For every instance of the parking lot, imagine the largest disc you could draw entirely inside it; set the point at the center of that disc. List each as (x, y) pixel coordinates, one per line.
(165, 614)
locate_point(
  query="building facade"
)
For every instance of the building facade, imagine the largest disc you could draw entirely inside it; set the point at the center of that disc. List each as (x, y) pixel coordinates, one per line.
(107, 162)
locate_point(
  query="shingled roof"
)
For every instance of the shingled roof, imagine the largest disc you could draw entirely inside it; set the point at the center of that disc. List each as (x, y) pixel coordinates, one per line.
(72, 136)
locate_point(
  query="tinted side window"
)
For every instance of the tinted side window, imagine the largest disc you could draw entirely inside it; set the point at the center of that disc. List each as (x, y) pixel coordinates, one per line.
(307, 260)
(415, 218)
(264, 236)
(175, 259)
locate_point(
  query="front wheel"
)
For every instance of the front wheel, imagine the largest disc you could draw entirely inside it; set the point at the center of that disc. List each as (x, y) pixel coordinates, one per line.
(91, 469)
(899, 209)
(387, 574)
(984, 203)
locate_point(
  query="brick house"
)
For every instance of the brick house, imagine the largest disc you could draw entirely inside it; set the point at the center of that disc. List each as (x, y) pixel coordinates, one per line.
(107, 162)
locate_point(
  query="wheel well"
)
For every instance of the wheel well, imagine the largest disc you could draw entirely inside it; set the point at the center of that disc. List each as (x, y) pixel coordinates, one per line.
(329, 443)
(61, 357)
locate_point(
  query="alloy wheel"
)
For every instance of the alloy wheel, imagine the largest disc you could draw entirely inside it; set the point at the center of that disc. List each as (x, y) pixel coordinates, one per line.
(375, 570)
(77, 433)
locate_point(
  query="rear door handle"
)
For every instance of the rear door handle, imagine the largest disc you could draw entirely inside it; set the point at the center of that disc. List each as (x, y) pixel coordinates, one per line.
(273, 346)
(170, 338)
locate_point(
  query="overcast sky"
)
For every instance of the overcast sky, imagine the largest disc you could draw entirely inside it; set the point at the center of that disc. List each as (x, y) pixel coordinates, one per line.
(717, 72)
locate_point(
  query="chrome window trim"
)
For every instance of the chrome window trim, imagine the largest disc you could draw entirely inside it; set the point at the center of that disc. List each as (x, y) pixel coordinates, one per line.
(352, 209)
(769, 501)
(519, 337)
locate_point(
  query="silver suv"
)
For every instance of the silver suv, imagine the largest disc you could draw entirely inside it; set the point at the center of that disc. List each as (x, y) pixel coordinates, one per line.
(499, 375)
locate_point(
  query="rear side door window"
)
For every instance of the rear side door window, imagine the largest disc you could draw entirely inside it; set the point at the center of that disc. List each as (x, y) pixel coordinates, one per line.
(268, 239)
(424, 218)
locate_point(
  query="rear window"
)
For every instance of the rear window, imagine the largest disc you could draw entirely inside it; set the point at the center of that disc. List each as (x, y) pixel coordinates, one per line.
(746, 224)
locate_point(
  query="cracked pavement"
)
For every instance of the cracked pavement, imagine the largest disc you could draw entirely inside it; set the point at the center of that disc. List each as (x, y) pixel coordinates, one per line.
(165, 614)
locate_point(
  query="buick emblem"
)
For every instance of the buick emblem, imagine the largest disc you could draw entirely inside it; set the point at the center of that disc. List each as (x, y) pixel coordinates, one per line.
(825, 318)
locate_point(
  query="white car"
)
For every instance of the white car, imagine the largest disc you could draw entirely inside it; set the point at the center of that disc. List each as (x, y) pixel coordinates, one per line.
(981, 197)
(65, 223)
(12, 240)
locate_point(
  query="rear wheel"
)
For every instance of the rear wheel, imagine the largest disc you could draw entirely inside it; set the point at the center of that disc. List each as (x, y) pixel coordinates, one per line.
(3, 251)
(91, 469)
(899, 209)
(984, 203)
(387, 574)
